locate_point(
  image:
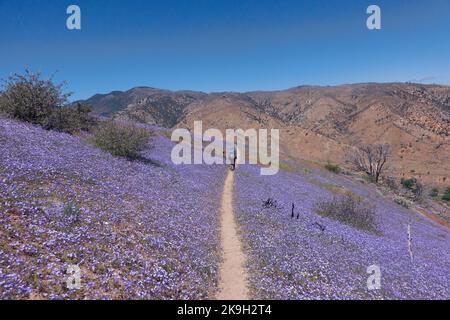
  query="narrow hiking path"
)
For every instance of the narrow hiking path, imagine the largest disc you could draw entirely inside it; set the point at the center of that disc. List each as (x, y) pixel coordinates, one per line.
(233, 276)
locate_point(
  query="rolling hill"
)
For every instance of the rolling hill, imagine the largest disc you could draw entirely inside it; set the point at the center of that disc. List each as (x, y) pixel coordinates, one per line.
(316, 123)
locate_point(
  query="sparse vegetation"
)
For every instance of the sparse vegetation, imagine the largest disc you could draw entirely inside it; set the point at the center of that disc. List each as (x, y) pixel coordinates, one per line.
(270, 203)
(371, 159)
(29, 98)
(403, 202)
(391, 183)
(333, 168)
(72, 212)
(287, 166)
(367, 178)
(434, 193)
(119, 139)
(413, 185)
(349, 210)
(408, 183)
(71, 119)
(446, 196)
(3, 109)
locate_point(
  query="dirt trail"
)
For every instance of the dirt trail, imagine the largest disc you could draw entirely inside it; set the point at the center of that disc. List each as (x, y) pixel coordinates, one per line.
(233, 277)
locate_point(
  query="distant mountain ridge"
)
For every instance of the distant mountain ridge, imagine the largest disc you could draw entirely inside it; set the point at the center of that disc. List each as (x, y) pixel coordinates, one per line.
(316, 123)
(144, 104)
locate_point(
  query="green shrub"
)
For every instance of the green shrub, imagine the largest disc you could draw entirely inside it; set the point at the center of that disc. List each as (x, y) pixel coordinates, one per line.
(333, 167)
(121, 139)
(403, 202)
(408, 183)
(29, 98)
(349, 210)
(446, 196)
(71, 119)
(413, 185)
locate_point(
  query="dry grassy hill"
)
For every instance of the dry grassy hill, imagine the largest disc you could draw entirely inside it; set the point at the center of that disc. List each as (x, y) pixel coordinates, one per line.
(316, 123)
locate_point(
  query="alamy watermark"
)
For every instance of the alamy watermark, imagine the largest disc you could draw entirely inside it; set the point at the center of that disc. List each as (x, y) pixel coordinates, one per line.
(233, 147)
(374, 280)
(73, 22)
(373, 22)
(73, 281)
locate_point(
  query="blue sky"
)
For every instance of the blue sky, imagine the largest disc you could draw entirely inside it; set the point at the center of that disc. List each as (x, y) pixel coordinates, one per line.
(221, 45)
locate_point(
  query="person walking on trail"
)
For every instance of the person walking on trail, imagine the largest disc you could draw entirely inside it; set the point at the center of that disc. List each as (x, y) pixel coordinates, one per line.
(233, 163)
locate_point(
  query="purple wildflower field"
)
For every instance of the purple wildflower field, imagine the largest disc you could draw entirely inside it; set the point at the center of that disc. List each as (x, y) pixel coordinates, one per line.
(290, 258)
(144, 230)
(150, 230)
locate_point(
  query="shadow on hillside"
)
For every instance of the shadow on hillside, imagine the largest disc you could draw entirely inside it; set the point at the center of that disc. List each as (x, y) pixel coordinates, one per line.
(145, 160)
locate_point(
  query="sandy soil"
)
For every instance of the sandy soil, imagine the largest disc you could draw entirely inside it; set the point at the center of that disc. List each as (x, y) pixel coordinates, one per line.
(233, 277)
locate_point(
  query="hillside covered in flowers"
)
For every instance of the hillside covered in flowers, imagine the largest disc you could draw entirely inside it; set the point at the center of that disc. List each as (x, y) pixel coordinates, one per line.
(140, 230)
(149, 229)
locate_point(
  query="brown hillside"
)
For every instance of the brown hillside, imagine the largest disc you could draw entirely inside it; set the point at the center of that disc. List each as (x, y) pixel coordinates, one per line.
(316, 123)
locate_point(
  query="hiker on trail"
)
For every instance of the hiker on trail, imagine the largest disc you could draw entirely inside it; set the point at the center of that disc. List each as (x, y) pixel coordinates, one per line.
(233, 164)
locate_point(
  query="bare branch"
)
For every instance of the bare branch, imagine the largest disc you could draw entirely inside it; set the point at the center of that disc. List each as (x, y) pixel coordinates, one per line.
(371, 159)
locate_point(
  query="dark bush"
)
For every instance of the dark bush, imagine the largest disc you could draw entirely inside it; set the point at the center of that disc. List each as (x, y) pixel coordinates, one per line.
(29, 98)
(408, 183)
(446, 196)
(270, 203)
(348, 210)
(3, 104)
(333, 167)
(71, 119)
(413, 185)
(119, 139)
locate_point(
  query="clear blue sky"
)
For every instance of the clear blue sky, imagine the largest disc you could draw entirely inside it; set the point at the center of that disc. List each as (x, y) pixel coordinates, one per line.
(220, 45)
